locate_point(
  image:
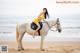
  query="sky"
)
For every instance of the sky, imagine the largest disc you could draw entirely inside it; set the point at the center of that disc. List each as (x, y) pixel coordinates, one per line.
(34, 7)
(25, 7)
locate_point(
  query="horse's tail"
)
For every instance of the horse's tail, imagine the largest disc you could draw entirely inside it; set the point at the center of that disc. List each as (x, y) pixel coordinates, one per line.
(17, 33)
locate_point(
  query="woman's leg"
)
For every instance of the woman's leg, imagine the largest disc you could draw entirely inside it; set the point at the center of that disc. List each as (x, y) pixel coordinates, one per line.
(36, 31)
(38, 26)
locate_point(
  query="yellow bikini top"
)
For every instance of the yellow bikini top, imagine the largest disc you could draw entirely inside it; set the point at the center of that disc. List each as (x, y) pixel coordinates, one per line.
(42, 16)
(37, 20)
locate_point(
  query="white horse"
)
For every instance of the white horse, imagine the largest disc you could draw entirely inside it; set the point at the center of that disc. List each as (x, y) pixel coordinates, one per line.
(25, 28)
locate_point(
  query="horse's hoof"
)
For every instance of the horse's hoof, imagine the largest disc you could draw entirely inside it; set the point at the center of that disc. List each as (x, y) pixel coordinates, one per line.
(42, 49)
(19, 49)
(22, 48)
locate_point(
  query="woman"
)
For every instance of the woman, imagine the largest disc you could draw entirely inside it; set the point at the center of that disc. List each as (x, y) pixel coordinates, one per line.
(43, 15)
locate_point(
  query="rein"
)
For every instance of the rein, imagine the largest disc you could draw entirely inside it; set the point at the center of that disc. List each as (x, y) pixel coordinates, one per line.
(49, 25)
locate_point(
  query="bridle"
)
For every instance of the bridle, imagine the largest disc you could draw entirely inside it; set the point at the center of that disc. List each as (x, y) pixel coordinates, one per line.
(50, 26)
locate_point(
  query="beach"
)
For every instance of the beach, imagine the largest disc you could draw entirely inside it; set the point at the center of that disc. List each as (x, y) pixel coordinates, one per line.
(49, 47)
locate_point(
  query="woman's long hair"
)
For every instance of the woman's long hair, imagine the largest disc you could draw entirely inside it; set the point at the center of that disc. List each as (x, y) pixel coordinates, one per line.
(46, 13)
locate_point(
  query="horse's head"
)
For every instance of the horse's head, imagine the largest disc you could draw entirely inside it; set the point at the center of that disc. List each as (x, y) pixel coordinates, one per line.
(58, 26)
(55, 23)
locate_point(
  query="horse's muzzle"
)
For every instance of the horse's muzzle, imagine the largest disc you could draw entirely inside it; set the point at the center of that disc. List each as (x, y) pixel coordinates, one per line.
(59, 30)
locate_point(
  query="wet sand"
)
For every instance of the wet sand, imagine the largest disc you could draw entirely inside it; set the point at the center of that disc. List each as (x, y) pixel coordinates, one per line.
(49, 47)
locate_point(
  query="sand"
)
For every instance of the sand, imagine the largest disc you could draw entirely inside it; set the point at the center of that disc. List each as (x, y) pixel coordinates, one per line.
(49, 47)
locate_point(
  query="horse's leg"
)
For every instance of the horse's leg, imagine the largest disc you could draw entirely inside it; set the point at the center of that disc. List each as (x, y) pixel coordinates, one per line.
(42, 39)
(20, 47)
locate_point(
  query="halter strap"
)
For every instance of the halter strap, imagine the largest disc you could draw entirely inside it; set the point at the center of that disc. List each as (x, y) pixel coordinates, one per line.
(49, 25)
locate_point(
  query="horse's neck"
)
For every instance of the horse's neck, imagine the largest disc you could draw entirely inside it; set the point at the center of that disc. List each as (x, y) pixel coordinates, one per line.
(51, 23)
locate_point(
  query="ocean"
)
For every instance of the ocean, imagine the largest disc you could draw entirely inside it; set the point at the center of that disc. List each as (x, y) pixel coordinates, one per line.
(70, 29)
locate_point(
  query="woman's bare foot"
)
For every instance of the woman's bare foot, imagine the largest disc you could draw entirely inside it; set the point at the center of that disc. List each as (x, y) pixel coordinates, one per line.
(34, 34)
